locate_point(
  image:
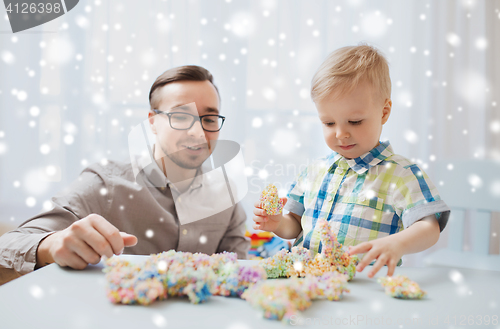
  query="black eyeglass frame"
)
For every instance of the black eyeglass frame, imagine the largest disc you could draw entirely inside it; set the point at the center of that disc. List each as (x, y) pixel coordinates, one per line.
(195, 118)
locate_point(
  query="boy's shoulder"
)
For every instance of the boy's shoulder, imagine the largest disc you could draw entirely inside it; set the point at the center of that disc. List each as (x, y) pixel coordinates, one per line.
(403, 164)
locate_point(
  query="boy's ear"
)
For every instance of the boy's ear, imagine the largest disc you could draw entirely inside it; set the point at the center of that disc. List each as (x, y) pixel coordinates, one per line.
(386, 111)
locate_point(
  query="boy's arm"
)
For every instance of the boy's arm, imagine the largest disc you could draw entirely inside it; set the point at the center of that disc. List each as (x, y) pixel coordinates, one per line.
(420, 236)
(289, 226)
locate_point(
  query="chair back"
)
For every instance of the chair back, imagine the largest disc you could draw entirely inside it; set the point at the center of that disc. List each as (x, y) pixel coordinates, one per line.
(471, 189)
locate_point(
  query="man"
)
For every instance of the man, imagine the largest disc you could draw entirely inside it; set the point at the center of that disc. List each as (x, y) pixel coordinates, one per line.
(116, 208)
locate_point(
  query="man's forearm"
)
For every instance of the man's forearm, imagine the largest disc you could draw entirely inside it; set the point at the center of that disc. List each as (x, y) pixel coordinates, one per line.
(18, 250)
(420, 236)
(289, 227)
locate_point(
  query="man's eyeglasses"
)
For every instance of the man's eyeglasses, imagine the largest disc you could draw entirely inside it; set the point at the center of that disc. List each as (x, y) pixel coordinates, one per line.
(184, 121)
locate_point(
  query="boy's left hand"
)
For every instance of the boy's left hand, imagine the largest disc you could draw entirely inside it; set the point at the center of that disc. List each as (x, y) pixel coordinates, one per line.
(386, 251)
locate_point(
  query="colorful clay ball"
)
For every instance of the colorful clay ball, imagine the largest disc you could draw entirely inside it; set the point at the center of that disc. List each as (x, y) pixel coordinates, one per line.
(402, 287)
(270, 200)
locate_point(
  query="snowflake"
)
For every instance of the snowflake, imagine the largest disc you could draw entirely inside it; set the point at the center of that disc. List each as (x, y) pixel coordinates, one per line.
(257, 122)
(82, 21)
(453, 39)
(3, 148)
(36, 292)
(31, 202)
(51, 170)
(263, 174)
(495, 127)
(475, 181)
(22, 95)
(159, 320)
(44, 149)
(481, 43)
(411, 137)
(48, 205)
(269, 94)
(68, 139)
(374, 24)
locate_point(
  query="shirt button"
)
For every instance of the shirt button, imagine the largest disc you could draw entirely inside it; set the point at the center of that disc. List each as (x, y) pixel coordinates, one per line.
(179, 199)
(329, 198)
(340, 171)
(362, 199)
(184, 231)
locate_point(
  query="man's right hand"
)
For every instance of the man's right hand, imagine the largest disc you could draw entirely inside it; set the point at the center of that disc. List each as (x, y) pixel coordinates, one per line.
(83, 243)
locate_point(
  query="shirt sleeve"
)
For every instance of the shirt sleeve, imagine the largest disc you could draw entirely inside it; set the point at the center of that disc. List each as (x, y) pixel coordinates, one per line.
(234, 239)
(416, 197)
(295, 202)
(87, 195)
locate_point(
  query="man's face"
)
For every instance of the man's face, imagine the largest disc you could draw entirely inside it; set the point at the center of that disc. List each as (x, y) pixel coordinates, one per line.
(352, 123)
(186, 148)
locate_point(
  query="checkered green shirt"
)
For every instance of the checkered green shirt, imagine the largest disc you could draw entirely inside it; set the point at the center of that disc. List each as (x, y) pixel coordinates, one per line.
(370, 197)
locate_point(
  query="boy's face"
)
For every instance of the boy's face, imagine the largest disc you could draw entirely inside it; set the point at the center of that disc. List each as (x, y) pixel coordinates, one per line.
(352, 123)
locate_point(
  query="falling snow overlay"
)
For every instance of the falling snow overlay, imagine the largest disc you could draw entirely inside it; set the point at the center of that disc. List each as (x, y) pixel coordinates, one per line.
(69, 98)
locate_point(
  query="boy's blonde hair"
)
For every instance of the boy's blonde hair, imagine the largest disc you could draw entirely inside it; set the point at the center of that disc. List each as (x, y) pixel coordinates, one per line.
(344, 68)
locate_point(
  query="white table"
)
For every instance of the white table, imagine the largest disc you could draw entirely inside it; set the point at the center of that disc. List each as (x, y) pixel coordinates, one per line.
(55, 297)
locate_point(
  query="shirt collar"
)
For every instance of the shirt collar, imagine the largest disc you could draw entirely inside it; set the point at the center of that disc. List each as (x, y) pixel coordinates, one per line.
(364, 162)
(196, 183)
(156, 176)
(151, 170)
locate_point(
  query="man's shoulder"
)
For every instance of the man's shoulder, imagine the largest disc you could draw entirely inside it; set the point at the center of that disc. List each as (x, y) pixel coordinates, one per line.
(111, 168)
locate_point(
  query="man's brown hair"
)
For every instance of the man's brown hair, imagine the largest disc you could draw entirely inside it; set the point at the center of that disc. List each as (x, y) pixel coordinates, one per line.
(180, 73)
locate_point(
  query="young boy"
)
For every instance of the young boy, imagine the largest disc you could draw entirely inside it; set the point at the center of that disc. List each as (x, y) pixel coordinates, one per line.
(377, 202)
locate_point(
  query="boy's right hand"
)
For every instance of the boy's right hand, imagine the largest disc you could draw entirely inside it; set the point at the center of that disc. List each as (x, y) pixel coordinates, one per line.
(83, 243)
(266, 222)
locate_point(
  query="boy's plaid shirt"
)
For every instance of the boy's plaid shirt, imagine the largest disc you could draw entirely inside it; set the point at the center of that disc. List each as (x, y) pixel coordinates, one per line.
(365, 198)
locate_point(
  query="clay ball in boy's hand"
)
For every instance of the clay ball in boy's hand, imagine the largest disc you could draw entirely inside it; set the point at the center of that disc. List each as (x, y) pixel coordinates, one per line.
(270, 200)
